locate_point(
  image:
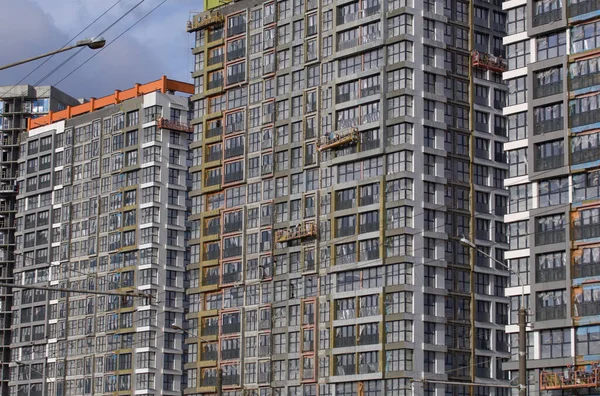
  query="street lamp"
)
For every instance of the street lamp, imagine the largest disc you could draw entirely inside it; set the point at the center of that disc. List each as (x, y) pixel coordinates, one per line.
(522, 318)
(219, 383)
(92, 43)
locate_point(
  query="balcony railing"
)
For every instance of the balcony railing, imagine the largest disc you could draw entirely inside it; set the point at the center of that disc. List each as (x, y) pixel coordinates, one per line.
(342, 342)
(214, 35)
(551, 313)
(229, 328)
(549, 237)
(230, 354)
(236, 78)
(210, 330)
(208, 356)
(210, 280)
(586, 231)
(235, 30)
(236, 54)
(344, 231)
(368, 339)
(234, 151)
(234, 176)
(367, 200)
(212, 255)
(369, 227)
(591, 308)
(547, 17)
(550, 275)
(214, 156)
(584, 81)
(587, 155)
(213, 60)
(232, 226)
(583, 7)
(542, 91)
(213, 181)
(214, 131)
(547, 126)
(587, 118)
(584, 270)
(345, 204)
(550, 162)
(214, 84)
(230, 380)
(232, 277)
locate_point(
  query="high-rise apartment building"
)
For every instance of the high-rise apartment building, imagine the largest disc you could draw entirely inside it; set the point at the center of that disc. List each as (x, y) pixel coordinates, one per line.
(340, 149)
(553, 51)
(102, 205)
(17, 105)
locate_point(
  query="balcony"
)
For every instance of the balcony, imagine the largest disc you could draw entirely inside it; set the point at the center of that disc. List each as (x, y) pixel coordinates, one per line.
(236, 29)
(208, 356)
(214, 132)
(482, 207)
(583, 7)
(366, 200)
(213, 181)
(214, 35)
(368, 91)
(236, 54)
(348, 369)
(481, 153)
(500, 131)
(489, 62)
(551, 313)
(301, 231)
(591, 308)
(482, 234)
(368, 339)
(338, 139)
(214, 84)
(232, 226)
(229, 328)
(345, 204)
(482, 316)
(205, 19)
(212, 255)
(342, 342)
(584, 270)
(547, 17)
(550, 162)
(542, 91)
(210, 330)
(550, 275)
(584, 81)
(213, 60)
(208, 381)
(232, 177)
(587, 118)
(230, 380)
(232, 277)
(349, 258)
(230, 354)
(483, 343)
(587, 378)
(214, 156)
(549, 237)
(586, 231)
(210, 280)
(369, 227)
(369, 254)
(480, 100)
(547, 126)
(236, 78)
(587, 155)
(501, 319)
(214, 228)
(234, 151)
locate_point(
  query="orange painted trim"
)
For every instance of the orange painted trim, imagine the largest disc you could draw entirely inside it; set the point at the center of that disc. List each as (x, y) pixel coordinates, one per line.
(163, 85)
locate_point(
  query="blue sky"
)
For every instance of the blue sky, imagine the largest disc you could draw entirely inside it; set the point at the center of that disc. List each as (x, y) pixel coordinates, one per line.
(158, 45)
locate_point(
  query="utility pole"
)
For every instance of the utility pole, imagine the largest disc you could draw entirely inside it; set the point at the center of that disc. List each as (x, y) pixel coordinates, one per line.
(522, 346)
(522, 318)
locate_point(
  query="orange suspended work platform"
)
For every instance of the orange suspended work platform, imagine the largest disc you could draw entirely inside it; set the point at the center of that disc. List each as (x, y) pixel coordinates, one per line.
(163, 85)
(338, 139)
(165, 123)
(301, 231)
(570, 379)
(490, 62)
(205, 19)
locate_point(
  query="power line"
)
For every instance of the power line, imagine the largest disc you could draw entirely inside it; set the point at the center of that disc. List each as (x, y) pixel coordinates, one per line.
(83, 48)
(64, 45)
(109, 44)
